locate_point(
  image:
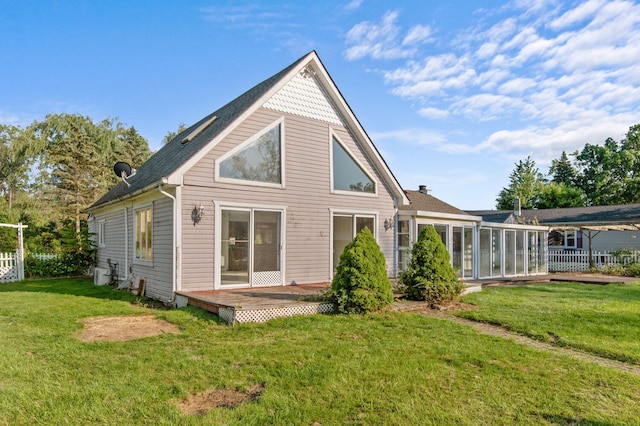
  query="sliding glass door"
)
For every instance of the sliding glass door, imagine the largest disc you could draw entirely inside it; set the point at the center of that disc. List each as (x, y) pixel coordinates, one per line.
(250, 247)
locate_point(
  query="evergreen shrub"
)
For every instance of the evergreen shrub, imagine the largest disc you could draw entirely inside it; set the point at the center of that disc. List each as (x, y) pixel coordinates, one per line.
(430, 276)
(361, 284)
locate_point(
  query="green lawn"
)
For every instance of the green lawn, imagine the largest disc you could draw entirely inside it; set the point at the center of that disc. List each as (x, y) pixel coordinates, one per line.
(391, 368)
(601, 319)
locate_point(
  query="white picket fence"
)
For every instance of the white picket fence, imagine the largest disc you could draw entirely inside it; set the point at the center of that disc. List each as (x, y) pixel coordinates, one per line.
(579, 260)
(10, 268)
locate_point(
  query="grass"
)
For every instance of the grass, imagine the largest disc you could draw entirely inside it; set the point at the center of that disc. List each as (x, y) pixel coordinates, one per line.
(600, 319)
(389, 368)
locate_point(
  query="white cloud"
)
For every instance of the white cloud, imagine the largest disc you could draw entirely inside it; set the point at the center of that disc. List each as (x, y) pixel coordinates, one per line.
(353, 5)
(558, 76)
(422, 137)
(433, 113)
(383, 40)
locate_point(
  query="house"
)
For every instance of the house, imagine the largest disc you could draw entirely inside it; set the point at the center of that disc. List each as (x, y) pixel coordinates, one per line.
(265, 191)
(478, 248)
(593, 228)
(269, 189)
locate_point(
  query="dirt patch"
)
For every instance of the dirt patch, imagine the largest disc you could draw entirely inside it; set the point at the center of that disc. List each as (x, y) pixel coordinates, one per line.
(124, 327)
(202, 402)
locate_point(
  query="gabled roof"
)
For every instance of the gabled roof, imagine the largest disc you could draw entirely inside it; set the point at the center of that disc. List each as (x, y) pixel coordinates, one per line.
(423, 202)
(616, 217)
(169, 164)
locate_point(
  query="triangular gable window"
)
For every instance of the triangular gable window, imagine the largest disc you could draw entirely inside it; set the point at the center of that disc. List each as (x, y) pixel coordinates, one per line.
(257, 160)
(347, 173)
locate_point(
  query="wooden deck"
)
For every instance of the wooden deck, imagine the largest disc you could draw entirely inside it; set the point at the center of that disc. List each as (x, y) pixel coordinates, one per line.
(265, 303)
(260, 304)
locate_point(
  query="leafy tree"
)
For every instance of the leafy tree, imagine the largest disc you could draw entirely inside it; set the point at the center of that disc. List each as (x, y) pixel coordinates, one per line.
(524, 182)
(77, 158)
(562, 171)
(170, 135)
(557, 195)
(16, 157)
(600, 173)
(361, 284)
(430, 275)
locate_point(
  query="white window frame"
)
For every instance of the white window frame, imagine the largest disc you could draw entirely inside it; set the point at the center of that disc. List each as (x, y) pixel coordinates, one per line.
(354, 214)
(565, 239)
(243, 145)
(376, 184)
(140, 259)
(101, 233)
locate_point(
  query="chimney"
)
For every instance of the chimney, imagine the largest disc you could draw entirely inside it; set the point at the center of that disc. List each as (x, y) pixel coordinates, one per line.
(423, 189)
(517, 211)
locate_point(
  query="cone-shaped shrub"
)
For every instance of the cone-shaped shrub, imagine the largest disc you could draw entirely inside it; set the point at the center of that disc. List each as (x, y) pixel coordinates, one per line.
(361, 283)
(430, 276)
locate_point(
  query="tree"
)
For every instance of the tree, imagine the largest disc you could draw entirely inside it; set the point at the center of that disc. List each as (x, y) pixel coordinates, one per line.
(171, 135)
(562, 171)
(601, 173)
(361, 284)
(430, 275)
(77, 158)
(16, 157)
(557, 195)
(524, 182)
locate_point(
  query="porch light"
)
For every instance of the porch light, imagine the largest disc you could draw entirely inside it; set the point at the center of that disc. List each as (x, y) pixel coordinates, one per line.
(197, 213)
(388, 224)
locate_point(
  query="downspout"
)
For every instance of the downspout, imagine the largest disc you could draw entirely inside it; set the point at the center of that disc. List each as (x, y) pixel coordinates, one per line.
(126, 243)
(173, 262)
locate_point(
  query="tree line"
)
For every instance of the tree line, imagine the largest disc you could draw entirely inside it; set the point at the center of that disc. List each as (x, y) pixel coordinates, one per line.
(597, 175)
(53, 169)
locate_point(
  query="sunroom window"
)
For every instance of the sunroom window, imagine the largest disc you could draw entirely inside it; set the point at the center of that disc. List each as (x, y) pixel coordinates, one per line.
(259, 160)
(347, 173)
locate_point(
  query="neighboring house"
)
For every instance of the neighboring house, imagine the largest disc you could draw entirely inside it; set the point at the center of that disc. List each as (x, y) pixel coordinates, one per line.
(595, 228)
(479, 248)
(265, 191)
(270, 188)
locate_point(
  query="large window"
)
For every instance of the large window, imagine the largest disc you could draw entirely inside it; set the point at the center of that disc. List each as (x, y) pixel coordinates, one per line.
(462, 256)
(404, 244)
(144, 234)
(345, 228)
(258, 160)
(563, 239)
(347, 173)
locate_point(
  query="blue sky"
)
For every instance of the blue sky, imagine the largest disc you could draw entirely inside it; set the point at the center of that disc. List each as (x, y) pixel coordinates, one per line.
(452, 93)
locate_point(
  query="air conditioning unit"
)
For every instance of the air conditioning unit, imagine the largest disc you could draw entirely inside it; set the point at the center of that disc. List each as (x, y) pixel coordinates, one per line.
(101, 276)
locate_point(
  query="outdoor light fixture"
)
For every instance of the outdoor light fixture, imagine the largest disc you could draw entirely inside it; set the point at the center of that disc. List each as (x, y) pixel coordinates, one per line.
(197, 213)
(388, 224)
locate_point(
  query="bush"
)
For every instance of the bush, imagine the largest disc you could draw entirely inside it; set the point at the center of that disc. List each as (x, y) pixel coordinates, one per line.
(361, 284)
(430, 276)
(63, 265)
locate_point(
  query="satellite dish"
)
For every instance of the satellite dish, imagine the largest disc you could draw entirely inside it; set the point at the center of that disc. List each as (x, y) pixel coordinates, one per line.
(123, 170)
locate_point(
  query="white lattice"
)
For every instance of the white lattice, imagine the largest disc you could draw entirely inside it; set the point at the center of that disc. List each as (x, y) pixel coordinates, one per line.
(262, 315)
(303, 96)
(227, 314)
(267, 278)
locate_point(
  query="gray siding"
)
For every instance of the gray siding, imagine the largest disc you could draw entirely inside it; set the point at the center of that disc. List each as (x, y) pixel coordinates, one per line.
(612, 240)
(114, 240)
(307, 197)
(159, 274)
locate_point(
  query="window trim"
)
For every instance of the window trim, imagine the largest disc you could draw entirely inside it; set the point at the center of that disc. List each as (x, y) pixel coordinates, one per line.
(136, 209)
(354, 214)
(333, 135)
(101, 233)
(240, 147)
(565, 239)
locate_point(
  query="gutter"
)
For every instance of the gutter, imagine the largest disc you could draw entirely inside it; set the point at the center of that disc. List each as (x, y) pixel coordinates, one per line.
(176, 245)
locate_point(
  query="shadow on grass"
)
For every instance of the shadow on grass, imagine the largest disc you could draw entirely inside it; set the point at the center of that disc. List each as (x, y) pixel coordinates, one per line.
(84, 287)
